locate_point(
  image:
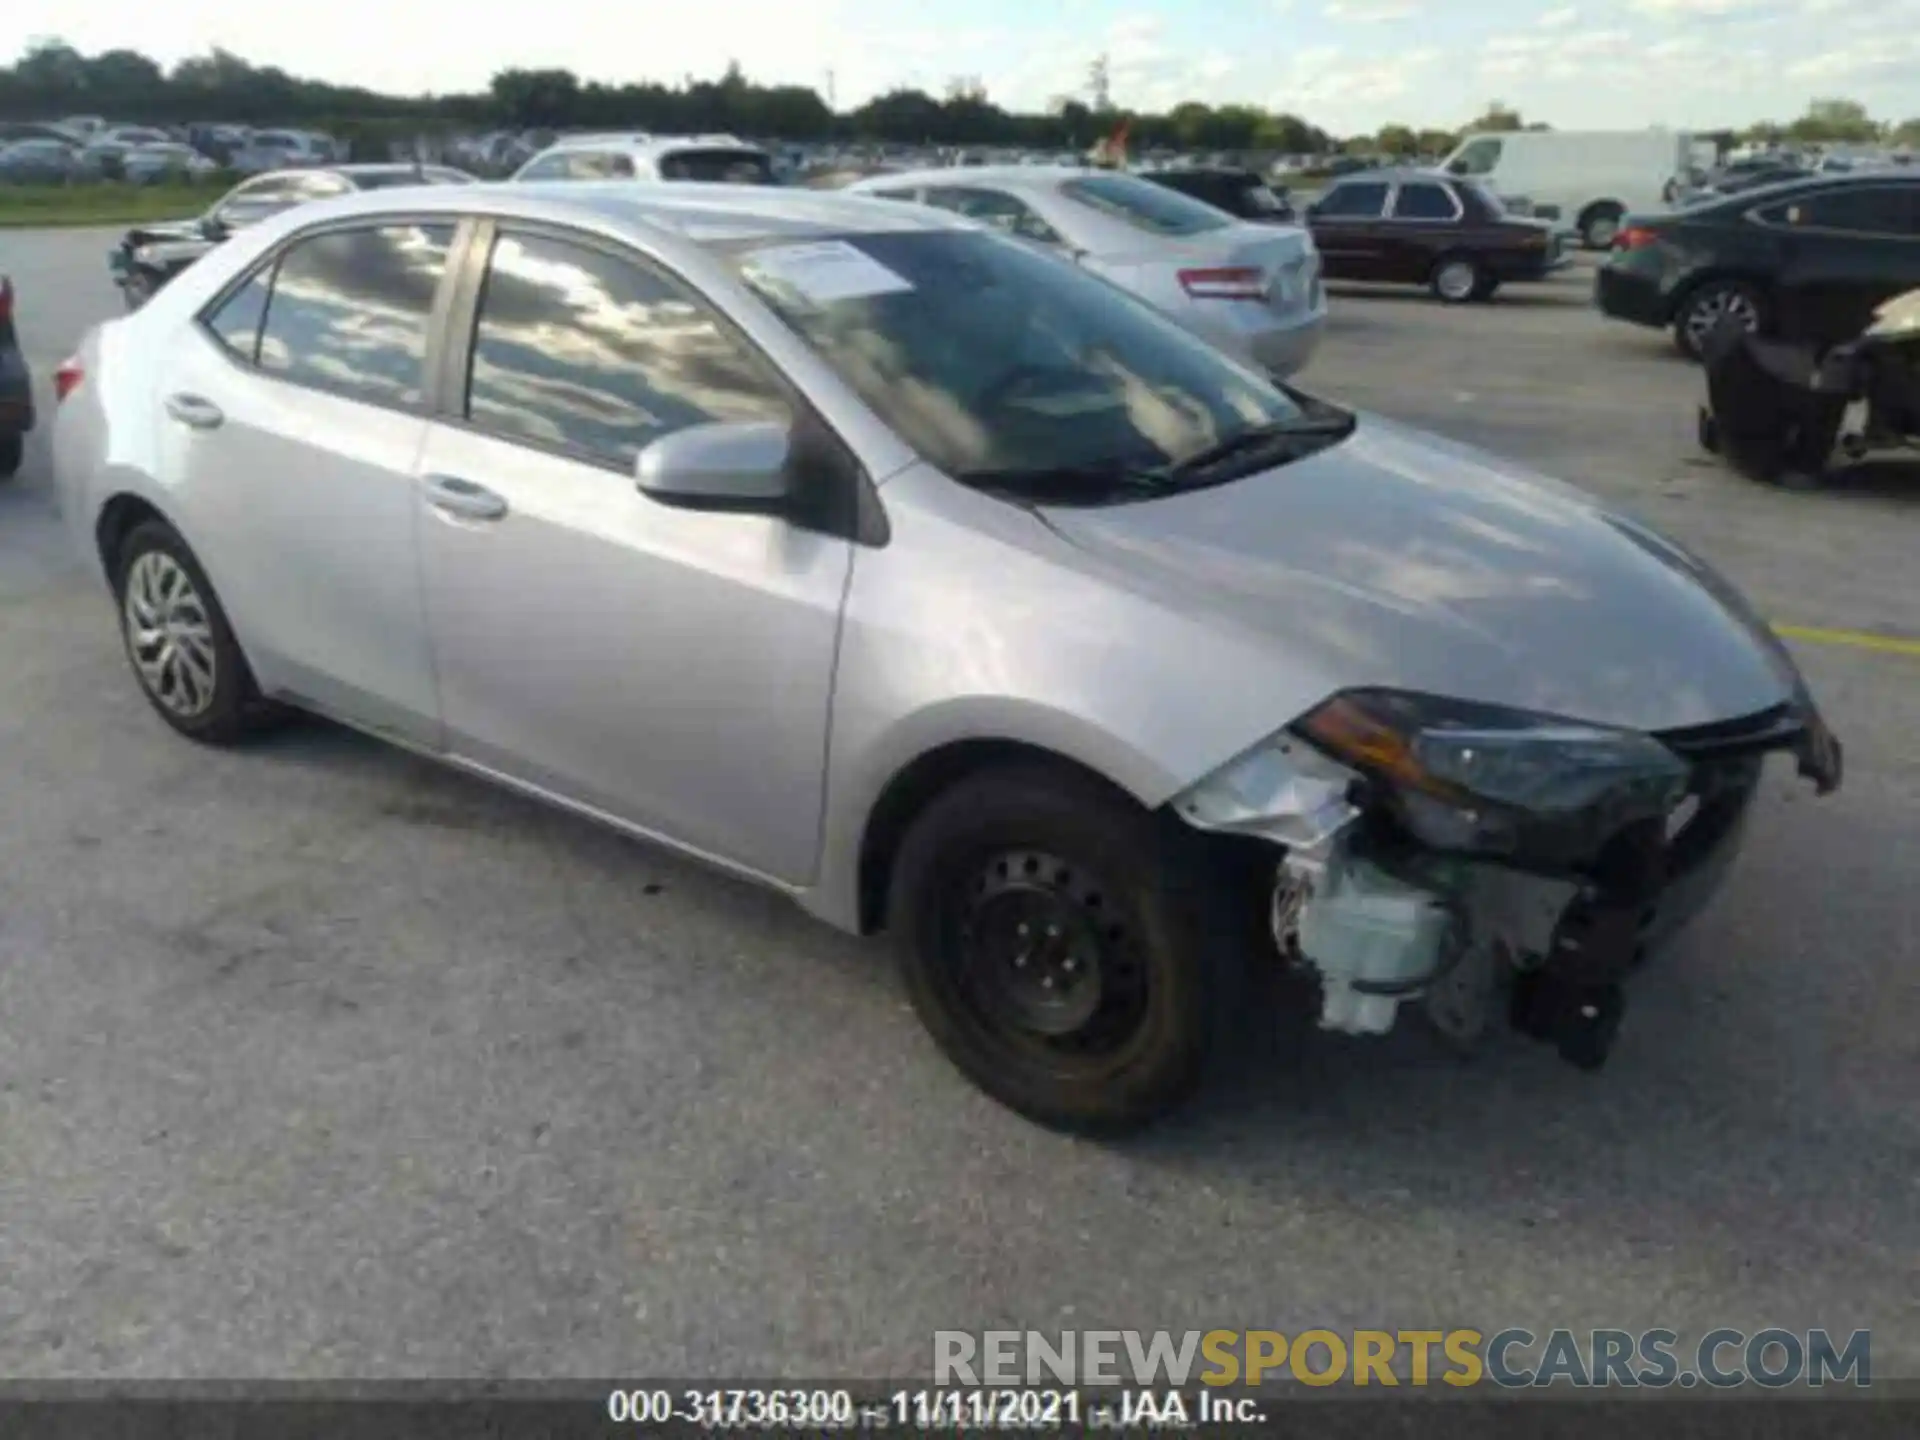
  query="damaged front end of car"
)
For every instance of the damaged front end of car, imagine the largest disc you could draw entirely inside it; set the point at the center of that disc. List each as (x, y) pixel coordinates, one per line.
(1480, 861)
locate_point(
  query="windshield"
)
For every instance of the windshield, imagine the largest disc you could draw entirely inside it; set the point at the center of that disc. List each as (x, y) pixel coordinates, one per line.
(719, 166)
(993, 359)
(1145, 205)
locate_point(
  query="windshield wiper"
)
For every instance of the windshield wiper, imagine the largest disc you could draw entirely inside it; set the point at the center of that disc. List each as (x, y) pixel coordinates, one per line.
(1084, 482)
(1261, 438)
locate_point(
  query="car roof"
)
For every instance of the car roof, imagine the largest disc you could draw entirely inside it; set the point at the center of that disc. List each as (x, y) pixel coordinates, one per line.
(646, 144)
(1806, 182)
(1010, 177)
(704, 214)
(1394, 176)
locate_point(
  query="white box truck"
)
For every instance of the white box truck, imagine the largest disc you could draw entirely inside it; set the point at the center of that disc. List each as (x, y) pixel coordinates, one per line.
(1584, 179)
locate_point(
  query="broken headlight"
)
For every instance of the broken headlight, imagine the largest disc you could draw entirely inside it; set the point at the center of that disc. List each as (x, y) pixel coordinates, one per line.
(1483, 779)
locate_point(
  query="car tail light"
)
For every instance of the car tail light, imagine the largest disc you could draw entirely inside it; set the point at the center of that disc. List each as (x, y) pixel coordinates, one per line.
(1230, 282)
(67, 378)
(1634, 237)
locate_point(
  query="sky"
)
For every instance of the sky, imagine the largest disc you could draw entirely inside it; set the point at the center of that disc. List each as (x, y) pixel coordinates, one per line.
(1346, 65)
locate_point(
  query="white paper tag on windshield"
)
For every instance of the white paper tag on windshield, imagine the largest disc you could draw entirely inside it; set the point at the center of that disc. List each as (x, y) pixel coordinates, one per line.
(827, 270)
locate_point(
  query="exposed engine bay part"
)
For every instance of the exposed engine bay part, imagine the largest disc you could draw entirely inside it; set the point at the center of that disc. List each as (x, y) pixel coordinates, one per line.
(1783, 409)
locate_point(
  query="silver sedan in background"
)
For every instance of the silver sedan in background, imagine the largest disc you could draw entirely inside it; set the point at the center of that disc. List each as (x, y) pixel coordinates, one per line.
(1253, 289)
(943, 586)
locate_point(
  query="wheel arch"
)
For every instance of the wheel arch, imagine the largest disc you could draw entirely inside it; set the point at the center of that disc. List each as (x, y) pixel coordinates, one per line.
(916, 784)
(117, 519)
(1716, 274)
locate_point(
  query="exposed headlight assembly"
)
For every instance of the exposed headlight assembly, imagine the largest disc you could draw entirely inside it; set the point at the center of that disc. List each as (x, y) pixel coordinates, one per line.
(1486, 780)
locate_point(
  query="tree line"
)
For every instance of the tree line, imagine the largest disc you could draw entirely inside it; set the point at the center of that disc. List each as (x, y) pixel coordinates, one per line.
(53, 79)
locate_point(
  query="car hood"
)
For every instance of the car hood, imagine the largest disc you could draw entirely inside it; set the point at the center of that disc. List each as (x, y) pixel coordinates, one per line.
(1400, 559)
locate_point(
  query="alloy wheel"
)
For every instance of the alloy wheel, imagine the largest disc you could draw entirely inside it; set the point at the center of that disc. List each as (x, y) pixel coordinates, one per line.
(1713, 307)
(170, 635)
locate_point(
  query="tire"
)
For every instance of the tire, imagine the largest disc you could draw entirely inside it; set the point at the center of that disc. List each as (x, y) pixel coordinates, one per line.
(1707, 431)
(1029, 865)
(1599, 224)
(1457, 279)
(1707, 305)
(184, 656)
(13, 449)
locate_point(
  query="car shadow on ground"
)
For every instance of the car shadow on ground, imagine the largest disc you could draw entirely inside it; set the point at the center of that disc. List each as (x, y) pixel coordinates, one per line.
(1520, 295)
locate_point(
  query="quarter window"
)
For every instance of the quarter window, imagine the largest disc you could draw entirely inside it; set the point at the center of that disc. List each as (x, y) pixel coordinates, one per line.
(350, 308)
(235, 322)
(584, 351)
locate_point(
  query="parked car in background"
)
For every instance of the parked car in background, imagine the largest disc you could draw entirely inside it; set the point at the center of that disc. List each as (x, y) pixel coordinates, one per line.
(155, 164)
(1809, 259)
(1253, 289)
(1243, 194)
(1588, 179)
(717, 159)
(150, 255)
(40, 162)
(1423, 227)
(16, 389)
(944, 588)
(266, 150)
(106, 151)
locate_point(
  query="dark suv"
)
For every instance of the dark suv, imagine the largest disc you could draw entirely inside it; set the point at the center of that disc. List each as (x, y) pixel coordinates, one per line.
(1241, 193)
(1809, 259)
(1420, 227)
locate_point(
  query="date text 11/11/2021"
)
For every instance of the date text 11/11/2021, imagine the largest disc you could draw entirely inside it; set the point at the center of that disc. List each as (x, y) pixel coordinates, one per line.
(985, 1409)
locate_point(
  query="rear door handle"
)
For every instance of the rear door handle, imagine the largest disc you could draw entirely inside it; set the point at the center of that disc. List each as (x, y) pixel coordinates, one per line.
(194, 410)
(455, 496)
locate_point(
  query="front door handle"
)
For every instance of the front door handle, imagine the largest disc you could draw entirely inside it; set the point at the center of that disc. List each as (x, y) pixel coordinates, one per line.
(194, 410)
(454, 496)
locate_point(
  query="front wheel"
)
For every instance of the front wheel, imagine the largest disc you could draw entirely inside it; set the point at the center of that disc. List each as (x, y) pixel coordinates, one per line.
(1709, 306)
(1456, 279)
(1055, 940)
(1599, 225)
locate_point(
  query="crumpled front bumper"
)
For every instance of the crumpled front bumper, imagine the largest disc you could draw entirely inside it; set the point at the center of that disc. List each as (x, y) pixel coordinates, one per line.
(1384, 921)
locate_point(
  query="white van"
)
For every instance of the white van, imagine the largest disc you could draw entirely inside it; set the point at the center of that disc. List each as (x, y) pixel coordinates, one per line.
(1585, 179)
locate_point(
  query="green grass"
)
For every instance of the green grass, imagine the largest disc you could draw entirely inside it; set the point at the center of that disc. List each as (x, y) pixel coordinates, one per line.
(104, 203)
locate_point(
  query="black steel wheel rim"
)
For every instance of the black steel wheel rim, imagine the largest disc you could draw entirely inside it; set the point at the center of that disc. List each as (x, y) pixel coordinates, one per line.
(1046, 958)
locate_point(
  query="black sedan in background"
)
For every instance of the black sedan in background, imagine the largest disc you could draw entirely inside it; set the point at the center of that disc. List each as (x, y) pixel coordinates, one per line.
(148, 256)
(16, 389)
(1808, 260)
(1242, 193)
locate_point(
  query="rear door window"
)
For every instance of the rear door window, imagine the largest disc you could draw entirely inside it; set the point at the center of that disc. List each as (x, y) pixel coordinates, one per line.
(350, 308)
(997, 208)
(1853, 209)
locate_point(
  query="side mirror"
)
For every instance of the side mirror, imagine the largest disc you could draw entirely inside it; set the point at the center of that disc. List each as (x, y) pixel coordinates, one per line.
(727, 465)
(1457, 167)
(213, 227)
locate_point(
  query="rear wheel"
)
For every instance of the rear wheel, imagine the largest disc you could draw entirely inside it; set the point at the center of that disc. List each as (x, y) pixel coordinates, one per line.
(1456, 279)
(13, 449)
(182, 649)
(1599, 224)
(1055, 940)
(1709, 306)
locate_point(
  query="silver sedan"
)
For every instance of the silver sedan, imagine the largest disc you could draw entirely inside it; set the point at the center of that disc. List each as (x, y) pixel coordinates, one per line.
(942, 586)
(1255, 290)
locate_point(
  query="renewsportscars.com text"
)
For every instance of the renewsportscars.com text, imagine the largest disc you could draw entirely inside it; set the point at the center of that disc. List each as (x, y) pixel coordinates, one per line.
(1511, 1359)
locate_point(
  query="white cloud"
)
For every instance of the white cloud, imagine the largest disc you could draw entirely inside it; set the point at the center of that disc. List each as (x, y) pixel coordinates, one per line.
(1559, 19)
(1326, 75)
(1698, 9)
(1371, 12)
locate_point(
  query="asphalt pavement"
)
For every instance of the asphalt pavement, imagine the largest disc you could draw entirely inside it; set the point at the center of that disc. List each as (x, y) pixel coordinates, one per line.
(317, 1060)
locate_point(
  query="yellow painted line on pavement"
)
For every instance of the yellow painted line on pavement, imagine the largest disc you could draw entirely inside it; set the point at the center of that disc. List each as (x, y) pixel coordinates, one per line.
(1852, 639)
